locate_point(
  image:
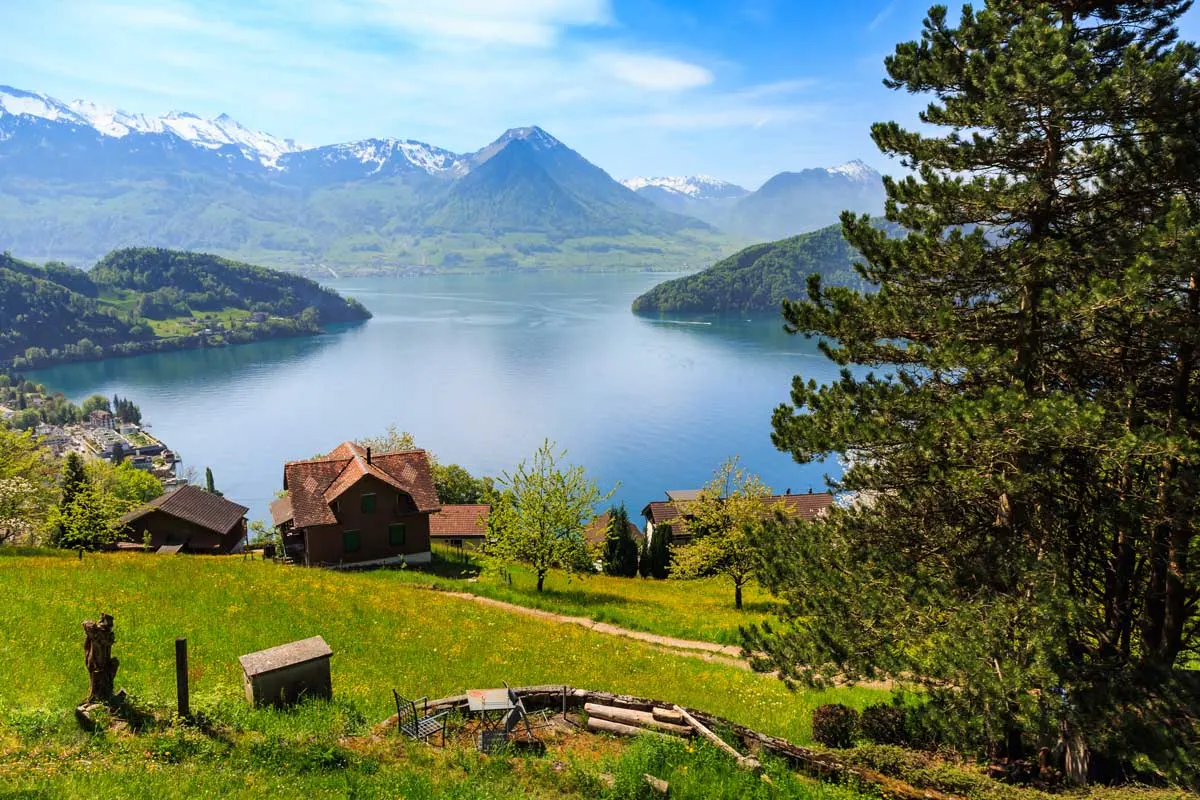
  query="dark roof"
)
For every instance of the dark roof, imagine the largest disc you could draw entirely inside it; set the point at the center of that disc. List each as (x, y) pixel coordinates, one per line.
(597, 530)
(281, 510)
(195, 505)
(660, 511)
(285, 655)
(460, 520)
(806, 506)
(314, 484)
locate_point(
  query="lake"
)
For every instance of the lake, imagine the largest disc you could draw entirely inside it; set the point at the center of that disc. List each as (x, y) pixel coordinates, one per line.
(480, 369)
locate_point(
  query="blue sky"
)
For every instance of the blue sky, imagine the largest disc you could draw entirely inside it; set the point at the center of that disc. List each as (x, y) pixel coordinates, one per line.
(740, 89)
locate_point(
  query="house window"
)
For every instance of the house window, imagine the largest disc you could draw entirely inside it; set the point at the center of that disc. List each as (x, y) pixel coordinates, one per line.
(368, 504)
(396, 534)
(350, 541)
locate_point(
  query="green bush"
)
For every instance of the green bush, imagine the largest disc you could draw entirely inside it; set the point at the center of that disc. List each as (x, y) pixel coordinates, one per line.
(884, 723)
(834, 725)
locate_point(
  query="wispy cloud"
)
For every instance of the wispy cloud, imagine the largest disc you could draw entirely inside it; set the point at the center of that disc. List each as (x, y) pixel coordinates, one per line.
(654, 73)
(886, 12)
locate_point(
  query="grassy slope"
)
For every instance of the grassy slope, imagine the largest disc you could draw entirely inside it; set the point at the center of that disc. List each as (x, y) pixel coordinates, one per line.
(383, 636)
(699, 609)
(383, 633)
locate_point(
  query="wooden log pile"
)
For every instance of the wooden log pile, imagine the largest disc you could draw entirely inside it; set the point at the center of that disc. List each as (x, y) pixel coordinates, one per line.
(818, 765)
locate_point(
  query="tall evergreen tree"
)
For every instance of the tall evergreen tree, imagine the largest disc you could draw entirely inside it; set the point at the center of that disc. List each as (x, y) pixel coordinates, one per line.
(658, 552)
(209, 485)
(620, 557)
(1025, 543)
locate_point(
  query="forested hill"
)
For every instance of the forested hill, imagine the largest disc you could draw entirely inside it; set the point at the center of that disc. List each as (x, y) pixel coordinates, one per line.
(758, 278)
(206, 282)
(145, 300)
(39, 313)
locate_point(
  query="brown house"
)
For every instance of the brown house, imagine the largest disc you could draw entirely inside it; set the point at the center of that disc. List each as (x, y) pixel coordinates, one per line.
(353, 508)
(460, 526)
(596, 532)
(808, 506)
(190, 518)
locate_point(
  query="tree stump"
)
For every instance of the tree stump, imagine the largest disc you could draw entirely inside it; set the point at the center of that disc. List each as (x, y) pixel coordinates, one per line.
(97, 655)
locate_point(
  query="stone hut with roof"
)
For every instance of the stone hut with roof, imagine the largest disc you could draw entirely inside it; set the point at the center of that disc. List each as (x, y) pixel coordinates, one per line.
(354, 508)
(188, 519)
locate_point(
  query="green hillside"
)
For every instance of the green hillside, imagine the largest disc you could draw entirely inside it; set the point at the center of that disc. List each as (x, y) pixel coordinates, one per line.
(758, 278)
(145, 300)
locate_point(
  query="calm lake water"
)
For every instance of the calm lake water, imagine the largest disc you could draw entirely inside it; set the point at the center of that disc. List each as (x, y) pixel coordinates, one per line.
(480, 369)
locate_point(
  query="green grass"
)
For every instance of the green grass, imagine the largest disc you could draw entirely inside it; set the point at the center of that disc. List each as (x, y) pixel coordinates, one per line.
(384, 634)
(694, 609)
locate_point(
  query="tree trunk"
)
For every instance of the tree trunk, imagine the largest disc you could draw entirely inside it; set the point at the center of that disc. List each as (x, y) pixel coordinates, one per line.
(737, 596)
(541, 579)
(97, 655)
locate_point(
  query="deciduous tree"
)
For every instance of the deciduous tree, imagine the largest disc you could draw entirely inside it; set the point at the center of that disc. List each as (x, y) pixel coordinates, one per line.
(545, 509)
(726, 522)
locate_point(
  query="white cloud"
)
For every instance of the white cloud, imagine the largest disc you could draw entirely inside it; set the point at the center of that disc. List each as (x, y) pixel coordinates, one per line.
(654, 73)
(524, 23)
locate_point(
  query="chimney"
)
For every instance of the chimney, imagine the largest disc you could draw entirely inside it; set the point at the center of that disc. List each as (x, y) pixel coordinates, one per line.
(368, 455)
(789, 491)
(810, 490)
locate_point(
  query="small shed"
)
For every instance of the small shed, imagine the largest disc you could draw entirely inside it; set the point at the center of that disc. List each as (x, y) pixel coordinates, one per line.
(282, 675)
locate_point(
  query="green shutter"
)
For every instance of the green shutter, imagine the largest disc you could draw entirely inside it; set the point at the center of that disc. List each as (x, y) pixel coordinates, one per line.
(350, 541)
(396, 533)
(368, 504)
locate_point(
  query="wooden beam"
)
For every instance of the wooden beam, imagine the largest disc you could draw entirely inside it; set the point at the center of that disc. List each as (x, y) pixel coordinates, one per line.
(641, 719)
(599, 725)
(745, 762)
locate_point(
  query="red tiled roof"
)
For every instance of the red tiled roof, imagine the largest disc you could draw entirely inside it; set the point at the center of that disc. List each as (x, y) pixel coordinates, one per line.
(195, 505)
(461, 520)
(314, 484)
(597, 530)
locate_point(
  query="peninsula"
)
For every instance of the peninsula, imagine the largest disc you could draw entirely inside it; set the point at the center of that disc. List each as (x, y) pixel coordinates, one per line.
(143, 300)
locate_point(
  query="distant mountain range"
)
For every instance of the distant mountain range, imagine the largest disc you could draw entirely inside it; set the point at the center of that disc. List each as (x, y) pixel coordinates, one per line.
(78, 180)
(788, 204)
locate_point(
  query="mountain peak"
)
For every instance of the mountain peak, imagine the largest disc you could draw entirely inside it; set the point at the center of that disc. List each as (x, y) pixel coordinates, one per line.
(855, 170)
(535, 136)
(210, 134)
(693, 186)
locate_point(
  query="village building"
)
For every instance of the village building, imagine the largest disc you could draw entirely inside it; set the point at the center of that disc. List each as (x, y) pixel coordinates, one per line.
(460, 526)
(672, 512)
(352, 508)
(191, 519)
(102, 419)
(596, 532)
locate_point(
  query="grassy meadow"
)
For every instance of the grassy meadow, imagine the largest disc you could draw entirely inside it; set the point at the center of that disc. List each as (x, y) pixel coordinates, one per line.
(384, 634)
(694, 609)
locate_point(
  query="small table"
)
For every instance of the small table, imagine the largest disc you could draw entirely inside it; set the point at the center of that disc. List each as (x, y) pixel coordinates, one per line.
(492, 706)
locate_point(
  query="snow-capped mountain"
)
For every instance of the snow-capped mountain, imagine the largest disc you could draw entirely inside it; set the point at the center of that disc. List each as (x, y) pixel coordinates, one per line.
(696, 187)
(855, 170)
(211, 134)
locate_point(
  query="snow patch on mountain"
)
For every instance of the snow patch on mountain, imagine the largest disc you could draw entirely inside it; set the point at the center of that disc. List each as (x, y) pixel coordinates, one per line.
(854, 170)
(378, 153)
(208, 133)
(693, 186)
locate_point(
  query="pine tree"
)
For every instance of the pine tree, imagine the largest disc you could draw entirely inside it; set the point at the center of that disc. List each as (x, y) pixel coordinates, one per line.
(620, 556)
(209, 486)
(1026, 466)
(659, 552)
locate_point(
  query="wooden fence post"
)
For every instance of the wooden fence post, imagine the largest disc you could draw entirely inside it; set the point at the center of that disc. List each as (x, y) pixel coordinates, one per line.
(181, 677)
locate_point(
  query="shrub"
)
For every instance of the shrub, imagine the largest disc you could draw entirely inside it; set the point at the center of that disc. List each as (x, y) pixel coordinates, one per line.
(884, 724)
(834, 725)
